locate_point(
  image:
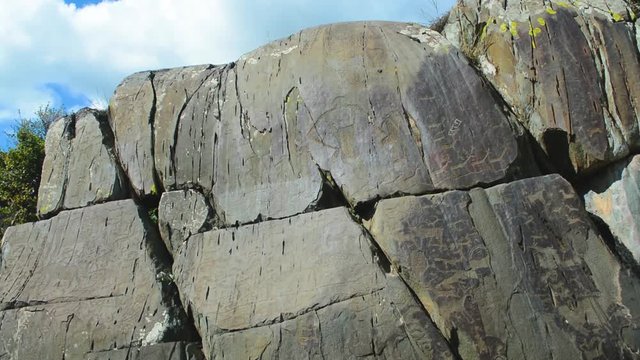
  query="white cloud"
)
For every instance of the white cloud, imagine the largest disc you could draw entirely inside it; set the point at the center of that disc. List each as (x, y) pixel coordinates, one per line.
(89, 50)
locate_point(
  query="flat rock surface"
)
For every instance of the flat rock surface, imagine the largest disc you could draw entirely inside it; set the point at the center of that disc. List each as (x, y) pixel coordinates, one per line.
(569, 70)
(515, 271)
(386, 324)
(164, 351)
(614, 197)
(80, 166)
(288, 115)
(247, 284)
(85, 280)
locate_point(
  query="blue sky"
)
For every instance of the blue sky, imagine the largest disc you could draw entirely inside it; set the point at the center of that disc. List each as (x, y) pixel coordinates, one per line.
(73, 53)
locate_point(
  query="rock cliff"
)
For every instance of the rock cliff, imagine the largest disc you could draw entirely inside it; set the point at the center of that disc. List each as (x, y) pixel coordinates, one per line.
(357, 190)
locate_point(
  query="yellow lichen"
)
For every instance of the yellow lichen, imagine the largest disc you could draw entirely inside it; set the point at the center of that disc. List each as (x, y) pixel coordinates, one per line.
(483, 34)
(534, 31)
(541, 21)
(504, 27)
(617, 17)
(563, 4)
(550, 11)
(514, 28)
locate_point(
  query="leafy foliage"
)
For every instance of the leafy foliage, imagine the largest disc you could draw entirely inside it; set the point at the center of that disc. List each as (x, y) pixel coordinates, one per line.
(20, 168)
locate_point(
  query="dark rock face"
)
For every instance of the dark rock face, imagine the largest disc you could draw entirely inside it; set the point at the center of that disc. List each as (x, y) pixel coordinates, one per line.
(569, 69)
(513, 271)
(362, 190)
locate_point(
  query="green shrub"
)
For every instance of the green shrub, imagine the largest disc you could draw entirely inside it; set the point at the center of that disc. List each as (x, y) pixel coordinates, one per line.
(20, 168)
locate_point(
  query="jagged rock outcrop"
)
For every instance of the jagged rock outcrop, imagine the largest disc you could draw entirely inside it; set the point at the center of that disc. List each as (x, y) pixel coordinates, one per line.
(614, 198)
(80, 167)
(568, 69)
(361, 190)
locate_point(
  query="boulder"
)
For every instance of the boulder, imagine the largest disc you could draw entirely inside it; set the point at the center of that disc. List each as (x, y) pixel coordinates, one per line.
(377, 119)
(310, 285)
(80, 167)
(181, 214)
(86, 280)
(614, 197)
(514, 271)
(568, 69)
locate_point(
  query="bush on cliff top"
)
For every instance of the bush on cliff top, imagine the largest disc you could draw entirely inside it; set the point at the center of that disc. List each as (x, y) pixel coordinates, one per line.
(20, 168)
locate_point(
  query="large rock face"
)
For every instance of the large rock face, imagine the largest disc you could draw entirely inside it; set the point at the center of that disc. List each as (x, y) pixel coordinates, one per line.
(339, 296)
(569, 69)
(86, 281)
(380, 118)
(513, 271)
(361, 190)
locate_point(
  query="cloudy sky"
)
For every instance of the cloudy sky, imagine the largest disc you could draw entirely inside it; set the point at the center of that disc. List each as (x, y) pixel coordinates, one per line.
(73, 53)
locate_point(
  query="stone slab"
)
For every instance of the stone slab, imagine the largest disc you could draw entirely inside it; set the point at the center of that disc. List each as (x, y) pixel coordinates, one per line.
(80, 167)
(89, 279)
(514, 271)
(250, 287)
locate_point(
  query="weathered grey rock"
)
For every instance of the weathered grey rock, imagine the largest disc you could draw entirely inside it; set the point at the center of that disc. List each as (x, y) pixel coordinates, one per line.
(614, 197)
(386, 324)
(54, 168)
(131, 117)
(176, 87)
(80, 167)
(568, 69)
(181, 214)
(244, 284)
(164, 351)
(267, 166)
(90, 279)
(380, 118)
(515, 271)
